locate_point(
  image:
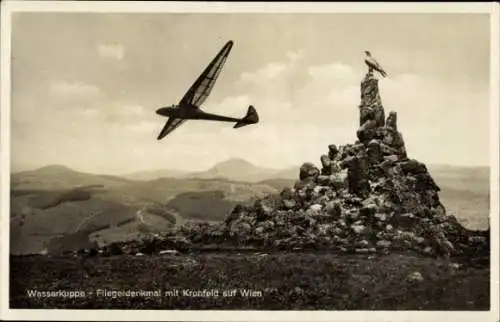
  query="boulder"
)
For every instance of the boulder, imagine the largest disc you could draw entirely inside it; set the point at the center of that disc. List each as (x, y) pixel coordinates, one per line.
(391, 159)
(324, 180)
(316, 208)
(289, 203)
(404, 221)
(413, 167)
(374, 151)
(358, 229)
(392, 121)
(368, 211)
(308, 171)
(381, 217)
(333, 151)
(326, 165)
(265, 208)
(366, 113)
(334, 209)
(383, 244)
(338, 180)
(370, 96)
(367, 131)
(415, 277)
(379, 115)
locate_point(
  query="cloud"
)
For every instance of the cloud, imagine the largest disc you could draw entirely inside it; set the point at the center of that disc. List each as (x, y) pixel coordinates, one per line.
(269, 72)
(231, 105)
(73, 88)
(132, 110)
(303, 108)
(144, 127)
(124, 113)
(112, 50)
(334, 73)
(304, 93)
(276, 70)
(331, 88)
(274, 81)
(89, 112)
(295, 55)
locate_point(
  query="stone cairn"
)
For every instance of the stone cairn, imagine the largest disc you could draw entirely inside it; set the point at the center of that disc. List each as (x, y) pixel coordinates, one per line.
(368, 197)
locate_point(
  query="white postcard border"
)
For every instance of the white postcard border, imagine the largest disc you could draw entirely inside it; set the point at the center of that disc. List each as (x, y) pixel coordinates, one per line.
(249, 7)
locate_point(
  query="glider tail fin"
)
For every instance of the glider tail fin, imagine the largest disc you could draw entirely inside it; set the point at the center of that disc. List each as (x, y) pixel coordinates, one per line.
(250, 118)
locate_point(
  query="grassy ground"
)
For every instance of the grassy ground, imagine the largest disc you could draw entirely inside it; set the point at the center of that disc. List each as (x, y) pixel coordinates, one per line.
(282, 281)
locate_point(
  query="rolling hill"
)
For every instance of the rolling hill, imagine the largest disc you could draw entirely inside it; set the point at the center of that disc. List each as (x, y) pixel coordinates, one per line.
(56, 177)
(233, 169)
(237, 170)
(154, 174)
(56, 208)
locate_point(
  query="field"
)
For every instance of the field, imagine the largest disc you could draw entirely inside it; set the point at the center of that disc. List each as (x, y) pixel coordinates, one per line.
(276, 281)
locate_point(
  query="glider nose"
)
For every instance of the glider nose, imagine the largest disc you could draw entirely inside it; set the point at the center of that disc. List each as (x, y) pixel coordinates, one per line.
(162, 111)
(166, 111)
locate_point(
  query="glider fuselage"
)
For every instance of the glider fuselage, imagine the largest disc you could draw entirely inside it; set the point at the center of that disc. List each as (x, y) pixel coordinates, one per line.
(192, 112)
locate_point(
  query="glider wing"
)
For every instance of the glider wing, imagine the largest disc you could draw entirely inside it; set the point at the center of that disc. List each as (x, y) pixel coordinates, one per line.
(202, 87)
(171, 124)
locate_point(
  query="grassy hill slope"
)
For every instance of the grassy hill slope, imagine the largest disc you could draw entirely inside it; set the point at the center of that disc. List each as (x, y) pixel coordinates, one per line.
(55, 208)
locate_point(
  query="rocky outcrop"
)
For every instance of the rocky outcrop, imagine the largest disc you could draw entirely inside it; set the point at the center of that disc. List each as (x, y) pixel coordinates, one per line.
(367, 197)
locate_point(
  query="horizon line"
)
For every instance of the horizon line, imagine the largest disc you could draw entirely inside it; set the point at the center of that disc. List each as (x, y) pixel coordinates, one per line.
(76, 169)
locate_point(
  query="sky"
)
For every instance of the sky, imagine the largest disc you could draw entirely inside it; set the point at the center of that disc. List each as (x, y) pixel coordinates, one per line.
(85, 87)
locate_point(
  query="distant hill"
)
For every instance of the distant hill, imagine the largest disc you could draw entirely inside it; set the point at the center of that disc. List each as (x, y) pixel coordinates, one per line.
(474, 179)
(465, 191)
(237, 170)
(55, 177)
(155, 174)
(234, 169)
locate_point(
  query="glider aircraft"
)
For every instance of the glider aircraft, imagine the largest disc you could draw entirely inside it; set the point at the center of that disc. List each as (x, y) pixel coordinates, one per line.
(189, 106)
